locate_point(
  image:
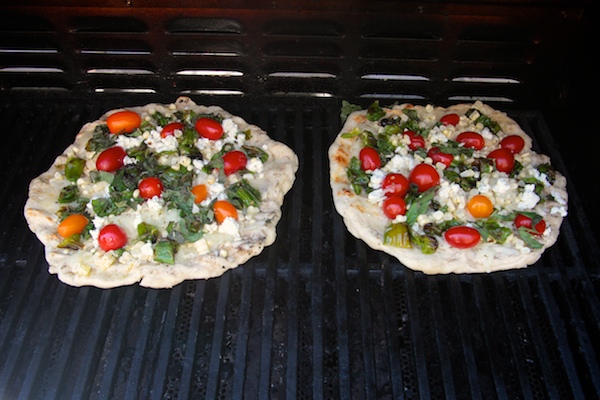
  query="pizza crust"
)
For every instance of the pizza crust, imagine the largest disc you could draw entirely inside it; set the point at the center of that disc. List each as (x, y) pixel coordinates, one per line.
(95, 267)
(366, 221)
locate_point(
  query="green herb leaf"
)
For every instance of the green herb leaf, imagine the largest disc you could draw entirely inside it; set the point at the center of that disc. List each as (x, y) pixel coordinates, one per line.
(164, 252)
(357, 177)
(243, 195)
(101, 139)
(148, 232)
(528, 237)
(347, 109)
(420, 205)
(375, 112)
(68, 194)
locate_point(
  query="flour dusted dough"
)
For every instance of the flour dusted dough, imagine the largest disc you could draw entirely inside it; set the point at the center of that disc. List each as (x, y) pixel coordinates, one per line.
(366, 221)
(207, 258)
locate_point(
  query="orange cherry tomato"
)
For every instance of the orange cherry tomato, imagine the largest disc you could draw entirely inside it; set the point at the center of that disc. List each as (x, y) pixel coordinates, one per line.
(209, 128)
(200, 192)
(73, 224)
(224, 209)
(123, 122)
(480, 206)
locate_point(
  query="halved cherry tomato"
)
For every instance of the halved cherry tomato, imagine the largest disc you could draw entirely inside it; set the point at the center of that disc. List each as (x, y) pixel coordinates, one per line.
(150, 187)
(480, 206)
(369, 159)
(123, 122)
(209, 128)
(525, 221)
(462, 237)
(450, 119)
(224, 209)
(112, 237)
(200, 192)
(73, 224)
(394, 206)
(472, 140)
(169, 129)
(234, 161)
(111, 159)
(438, 157)
(425, 176)
(505, 161)
(395, 184)
(416, 141)
(513, 143)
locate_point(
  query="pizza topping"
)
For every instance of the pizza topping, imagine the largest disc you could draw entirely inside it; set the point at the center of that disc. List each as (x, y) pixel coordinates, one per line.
(209, 128)
(471, 140)
(123, 122)
(513, 143)
(369, 159)
(112, 237)
(150, 187)
(462, 237)
(425, 176)
(458, 171)
(74, 224)
(111, 159)
(480, 206)
(164, 182)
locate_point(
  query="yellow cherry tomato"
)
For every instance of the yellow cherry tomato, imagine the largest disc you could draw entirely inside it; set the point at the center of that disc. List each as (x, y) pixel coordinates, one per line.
(123, 122)
(200, 192)
(224, 209)
(480, 206)
(73, 224)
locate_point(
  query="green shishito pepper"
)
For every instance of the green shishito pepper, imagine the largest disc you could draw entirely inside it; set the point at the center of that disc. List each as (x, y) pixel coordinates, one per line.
(397, 235)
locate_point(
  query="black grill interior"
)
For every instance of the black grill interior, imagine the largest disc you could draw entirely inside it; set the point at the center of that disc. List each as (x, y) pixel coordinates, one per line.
(318, 314)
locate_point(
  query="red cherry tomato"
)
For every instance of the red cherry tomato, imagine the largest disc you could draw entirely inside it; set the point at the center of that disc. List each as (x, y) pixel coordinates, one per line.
(150, 187)
(504, 159)
(472, 140)
(438, 157)
(123, 122)
(234, 161)
(416, 141)
(111, 237)
(425, 176)
(111, 159)
(450, 119)
(525, 221)
(369, 159)
(394, 206)
(209, 128)
(462, 237)
(395, 184)
(169, 129)
(513, 143)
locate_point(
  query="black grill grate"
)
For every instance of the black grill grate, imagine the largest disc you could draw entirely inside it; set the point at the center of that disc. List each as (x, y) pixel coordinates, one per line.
(317, 315)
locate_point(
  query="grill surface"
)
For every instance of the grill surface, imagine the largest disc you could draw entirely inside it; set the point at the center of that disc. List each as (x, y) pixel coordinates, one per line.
(318, 314)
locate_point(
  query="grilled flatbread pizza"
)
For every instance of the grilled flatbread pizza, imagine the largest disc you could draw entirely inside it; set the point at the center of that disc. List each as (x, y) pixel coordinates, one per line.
(159, 194)
(446, 190)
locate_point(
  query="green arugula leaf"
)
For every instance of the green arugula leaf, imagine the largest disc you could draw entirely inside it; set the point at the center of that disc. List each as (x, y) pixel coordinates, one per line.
(420, 205)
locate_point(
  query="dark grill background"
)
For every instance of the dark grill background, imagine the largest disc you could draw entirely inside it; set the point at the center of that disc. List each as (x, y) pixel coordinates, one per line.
(318, 314)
